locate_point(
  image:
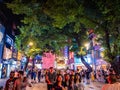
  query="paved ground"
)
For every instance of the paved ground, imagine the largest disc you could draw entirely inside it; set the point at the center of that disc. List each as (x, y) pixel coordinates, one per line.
(43, 86)
(94, 86)
(39, 86)
(2, 82)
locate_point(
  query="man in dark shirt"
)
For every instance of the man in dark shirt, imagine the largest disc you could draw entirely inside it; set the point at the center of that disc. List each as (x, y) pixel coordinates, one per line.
(10, 82)
(50, 78)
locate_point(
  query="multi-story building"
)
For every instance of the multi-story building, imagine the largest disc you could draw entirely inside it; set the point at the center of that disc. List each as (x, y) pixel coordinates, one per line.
(8, 30)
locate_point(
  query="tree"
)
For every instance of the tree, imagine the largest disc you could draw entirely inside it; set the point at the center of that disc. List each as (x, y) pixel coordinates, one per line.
(55, 21)
(38, 24)
(102, 16)
(110, 32)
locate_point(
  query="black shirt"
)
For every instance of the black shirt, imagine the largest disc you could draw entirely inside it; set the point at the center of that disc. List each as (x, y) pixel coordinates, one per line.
(56, 87)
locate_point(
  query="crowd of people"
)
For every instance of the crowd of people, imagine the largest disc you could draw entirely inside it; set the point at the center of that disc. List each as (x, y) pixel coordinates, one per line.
(17, 81)
(63, 80)
(59, 79)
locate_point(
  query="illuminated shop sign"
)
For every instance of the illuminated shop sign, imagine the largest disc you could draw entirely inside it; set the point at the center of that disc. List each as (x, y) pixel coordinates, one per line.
(19, 56)
(9, 40)
(66, 54)
(87, 59)
(7, 54)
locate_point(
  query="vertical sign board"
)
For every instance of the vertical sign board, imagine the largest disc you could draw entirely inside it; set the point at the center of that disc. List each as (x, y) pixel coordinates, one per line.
(66, 50)
(2, 30)
(7, 54)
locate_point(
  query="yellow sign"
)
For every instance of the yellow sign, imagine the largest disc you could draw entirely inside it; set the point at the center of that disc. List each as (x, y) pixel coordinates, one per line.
(19, 56)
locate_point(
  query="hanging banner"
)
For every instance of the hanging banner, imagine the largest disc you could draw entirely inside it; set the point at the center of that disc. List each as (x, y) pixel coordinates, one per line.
(48, 60)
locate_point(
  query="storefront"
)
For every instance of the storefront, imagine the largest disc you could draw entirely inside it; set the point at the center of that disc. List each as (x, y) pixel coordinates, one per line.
(61, 64)
(8, 66)
(101, 64)
(7, 55)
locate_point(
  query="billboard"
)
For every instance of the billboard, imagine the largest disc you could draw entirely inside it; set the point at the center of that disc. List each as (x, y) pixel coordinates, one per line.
(71, 58)
(48, 60)
(7, 54)
(87, 59)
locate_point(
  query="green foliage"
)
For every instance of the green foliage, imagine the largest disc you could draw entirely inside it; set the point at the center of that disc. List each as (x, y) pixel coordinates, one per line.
(62, 11)
(110, 16)
(51, 23)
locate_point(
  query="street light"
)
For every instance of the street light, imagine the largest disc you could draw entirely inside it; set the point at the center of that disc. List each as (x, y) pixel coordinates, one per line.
(87, 45)
(30, 43)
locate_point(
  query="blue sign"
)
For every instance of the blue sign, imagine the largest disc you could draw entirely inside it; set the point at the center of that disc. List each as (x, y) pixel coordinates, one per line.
(2, 30)
(87, 59)
(9, 40)
(77, 60)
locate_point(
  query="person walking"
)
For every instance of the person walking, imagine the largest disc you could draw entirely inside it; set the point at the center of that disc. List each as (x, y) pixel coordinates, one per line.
(88, 76)
(50, 78)
(67, 81)
(10, 82)
(92, 76)
(39, 75)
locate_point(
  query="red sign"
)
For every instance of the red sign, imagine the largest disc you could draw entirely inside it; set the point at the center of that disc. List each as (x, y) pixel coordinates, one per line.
(71, 55)
(90, 31)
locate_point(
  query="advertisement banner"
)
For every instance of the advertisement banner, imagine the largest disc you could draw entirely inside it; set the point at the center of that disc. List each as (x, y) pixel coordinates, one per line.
(71, 58)
(48, 60)
(7, 54)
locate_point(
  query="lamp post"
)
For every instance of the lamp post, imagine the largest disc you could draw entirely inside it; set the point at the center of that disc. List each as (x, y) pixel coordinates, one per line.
(30, 44)
(87, 45)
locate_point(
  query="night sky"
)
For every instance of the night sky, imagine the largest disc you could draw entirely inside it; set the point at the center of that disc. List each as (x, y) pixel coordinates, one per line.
(7, 18)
